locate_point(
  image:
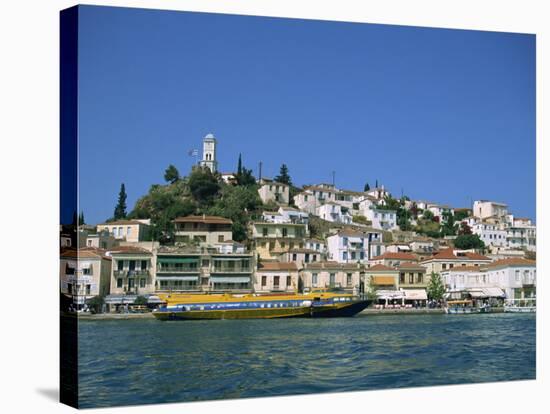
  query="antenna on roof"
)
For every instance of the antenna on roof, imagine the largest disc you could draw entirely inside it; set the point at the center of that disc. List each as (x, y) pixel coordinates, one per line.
(260, 171)
(333, 178)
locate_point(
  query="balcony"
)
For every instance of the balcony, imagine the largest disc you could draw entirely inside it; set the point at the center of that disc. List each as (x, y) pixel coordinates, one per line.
(227, 269)
(131, 273)
(178, 269)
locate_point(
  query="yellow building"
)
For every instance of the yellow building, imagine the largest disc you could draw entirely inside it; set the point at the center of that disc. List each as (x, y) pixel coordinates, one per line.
(272, 240)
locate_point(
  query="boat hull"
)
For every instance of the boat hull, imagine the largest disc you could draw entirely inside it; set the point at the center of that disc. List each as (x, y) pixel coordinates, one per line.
(313, 310)
(518, 309)
(339, 310)
(262, 313)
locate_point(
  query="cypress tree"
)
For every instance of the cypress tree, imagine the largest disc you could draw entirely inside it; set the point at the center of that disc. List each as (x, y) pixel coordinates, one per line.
(120, 209)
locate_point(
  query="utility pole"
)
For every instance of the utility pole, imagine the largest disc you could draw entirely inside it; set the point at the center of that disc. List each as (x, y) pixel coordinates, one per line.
(260, 171)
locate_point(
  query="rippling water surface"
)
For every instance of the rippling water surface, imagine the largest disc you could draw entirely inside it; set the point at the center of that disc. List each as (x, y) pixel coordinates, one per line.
(147, 361)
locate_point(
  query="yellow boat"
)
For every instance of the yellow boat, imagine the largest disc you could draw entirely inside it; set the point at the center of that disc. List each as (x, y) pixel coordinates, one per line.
(253, 306)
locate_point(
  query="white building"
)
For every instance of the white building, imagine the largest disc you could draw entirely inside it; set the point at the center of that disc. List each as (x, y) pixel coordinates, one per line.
(348, 246)
(379, 193)
(209, 153)
(491, 234)
(335, 213)
(438, 210)
(382, 219)
(516, 278)
(484, 209)
(286, 215)
(273, 191)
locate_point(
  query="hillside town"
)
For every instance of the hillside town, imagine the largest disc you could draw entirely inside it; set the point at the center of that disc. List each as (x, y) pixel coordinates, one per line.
(313, 237)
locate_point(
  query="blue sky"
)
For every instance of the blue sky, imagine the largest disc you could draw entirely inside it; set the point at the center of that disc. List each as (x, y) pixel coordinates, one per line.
(442, 115)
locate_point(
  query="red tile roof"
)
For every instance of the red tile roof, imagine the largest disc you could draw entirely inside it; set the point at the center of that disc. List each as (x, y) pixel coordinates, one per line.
(411, 266)
(122, 222)
(448, 254)
(129, 250)
(276, 266)
(397, 256)
(380, 267)
(512, 262)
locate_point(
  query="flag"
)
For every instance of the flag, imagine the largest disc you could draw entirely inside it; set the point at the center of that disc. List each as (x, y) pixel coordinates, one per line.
(193, 152)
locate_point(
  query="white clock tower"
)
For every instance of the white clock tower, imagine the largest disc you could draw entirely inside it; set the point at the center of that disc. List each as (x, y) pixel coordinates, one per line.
(209, 153)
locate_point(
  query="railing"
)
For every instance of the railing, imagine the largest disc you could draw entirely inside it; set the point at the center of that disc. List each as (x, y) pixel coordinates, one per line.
(223, 269)
(173, 269)
(130, 273)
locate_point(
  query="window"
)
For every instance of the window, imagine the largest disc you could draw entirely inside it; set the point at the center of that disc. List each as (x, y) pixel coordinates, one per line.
(88, 289)
(344, 255)
(517, 275)
(444, 266)
(220, 238)
(352, 255)
(314, 258)
(451, 266)
(401, 277)
(264, 281)
(285, 232)
(294, 257)
(119, 282)
(132, 265)
(349, 279)
(288, 281)
(314, 279)
(144, 265)
(271, 245)
(128, 231)
(419, 278)
(131, 283)
(264, 231)
(120, 265)
(276, 281)
(87, 271)
(283, 245)
(89, 243)
(332, 279)
(141, 283)
(120, 230)
(70, 288)
(411, 278)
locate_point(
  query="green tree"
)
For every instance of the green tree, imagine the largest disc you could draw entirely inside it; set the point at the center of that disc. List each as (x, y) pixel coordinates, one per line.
(464, 229)
(469, 241)
(244, 176)
(203, 185)
(435, 288)
(240, 204)
(448, 227)
(171, 175)
(239, 166)
(120, 209)
(162, 205)
(428, 215)
(376, 185)
(81, 218)
(96, 304)
(283, 176)
(366, 188)
(140, 300)
(371, 289)
(461, 214)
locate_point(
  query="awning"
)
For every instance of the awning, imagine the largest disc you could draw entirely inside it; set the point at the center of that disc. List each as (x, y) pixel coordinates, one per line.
(383, 280)
(477, 293)
(415, 294)
(178, 259)
(154, 299)
(229, 279)
(119, 299)
(184, 278)
(389, 294)
(494, 292)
